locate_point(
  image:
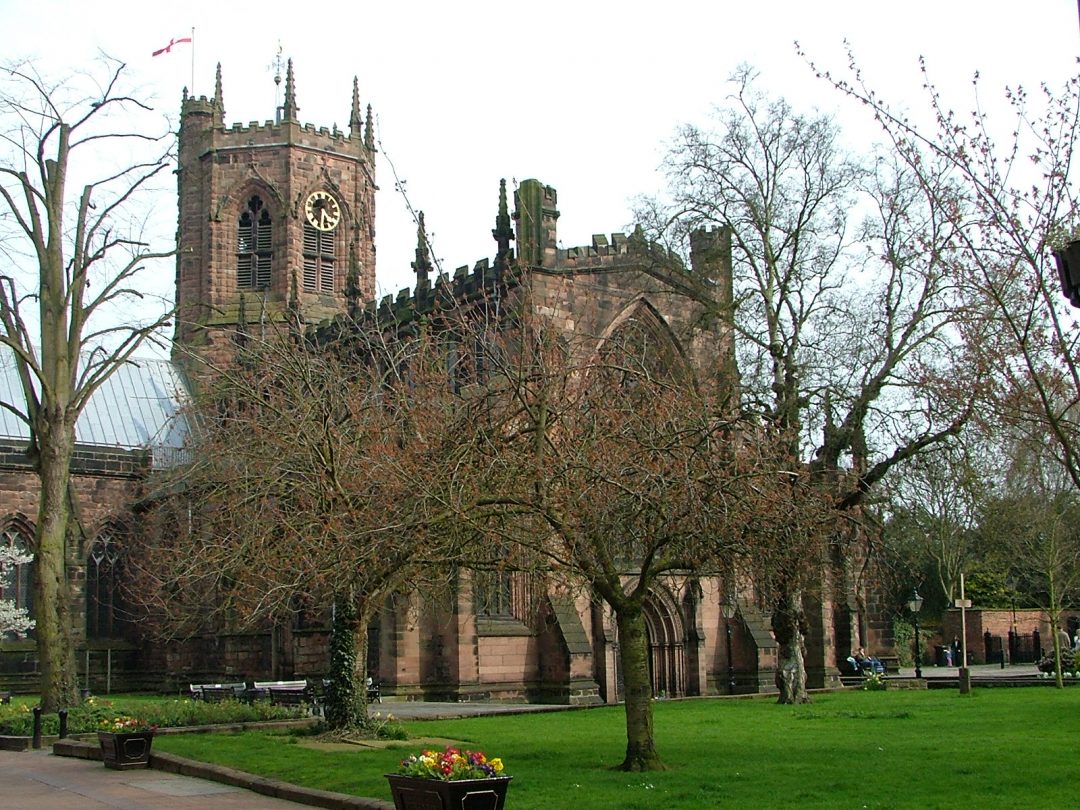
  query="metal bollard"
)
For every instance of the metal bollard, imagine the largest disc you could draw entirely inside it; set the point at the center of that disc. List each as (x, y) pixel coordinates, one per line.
(63, 723)
(37, 728)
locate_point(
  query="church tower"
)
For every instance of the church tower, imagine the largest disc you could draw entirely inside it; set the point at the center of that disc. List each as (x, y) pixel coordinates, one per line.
(276, 221)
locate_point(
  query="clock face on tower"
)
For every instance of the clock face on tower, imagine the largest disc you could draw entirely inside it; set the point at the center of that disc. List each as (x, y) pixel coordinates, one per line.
(322, 211)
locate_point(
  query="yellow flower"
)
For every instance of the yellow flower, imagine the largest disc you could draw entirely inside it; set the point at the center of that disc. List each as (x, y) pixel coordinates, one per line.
(496, 764)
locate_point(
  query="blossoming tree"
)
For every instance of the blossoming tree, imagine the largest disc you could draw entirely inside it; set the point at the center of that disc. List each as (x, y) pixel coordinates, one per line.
(12, 619)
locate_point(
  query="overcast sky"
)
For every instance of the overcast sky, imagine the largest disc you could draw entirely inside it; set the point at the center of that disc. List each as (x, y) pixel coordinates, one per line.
(581, 95)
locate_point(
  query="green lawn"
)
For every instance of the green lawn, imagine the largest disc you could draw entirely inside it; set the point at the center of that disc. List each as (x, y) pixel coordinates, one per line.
(995, 748)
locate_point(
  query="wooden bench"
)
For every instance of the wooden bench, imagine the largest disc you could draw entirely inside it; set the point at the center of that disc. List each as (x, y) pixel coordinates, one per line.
(289, 697)
(283, 693)
(262, 688)
(217, 692)
(374, 691)
(891, 662)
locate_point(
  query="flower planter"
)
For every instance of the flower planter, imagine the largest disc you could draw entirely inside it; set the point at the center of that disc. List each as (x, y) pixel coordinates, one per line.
(125, 750)
(418, 793)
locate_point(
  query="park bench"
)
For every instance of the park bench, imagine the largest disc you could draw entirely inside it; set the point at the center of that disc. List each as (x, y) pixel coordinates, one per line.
(851, 674)
(374, 691)
(217, 692)
(285, 693)
(891, 662)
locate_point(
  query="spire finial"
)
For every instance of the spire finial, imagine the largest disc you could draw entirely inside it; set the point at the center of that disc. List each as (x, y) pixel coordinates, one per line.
(422, 265)
(355, 122)
(289, 110)
(502, 232)
(219, 102)
(369, 131)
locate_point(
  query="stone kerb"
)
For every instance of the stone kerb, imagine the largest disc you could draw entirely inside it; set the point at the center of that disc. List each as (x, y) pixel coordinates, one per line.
(171, 763)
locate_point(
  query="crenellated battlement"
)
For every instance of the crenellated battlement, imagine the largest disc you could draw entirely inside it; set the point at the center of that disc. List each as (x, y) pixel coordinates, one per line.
(448, 292)
(204, 117)
(618, 250)
(256, 133)
(463, 287)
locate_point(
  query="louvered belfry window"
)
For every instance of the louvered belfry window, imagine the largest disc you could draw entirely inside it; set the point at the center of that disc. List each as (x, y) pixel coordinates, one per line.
(254, 247)
(319, 259)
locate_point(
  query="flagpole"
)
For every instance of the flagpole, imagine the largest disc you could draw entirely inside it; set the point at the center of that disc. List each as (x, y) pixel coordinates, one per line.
(193, 60)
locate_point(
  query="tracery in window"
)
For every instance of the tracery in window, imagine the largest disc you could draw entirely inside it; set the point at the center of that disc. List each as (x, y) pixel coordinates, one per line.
(254, 247)
(501, 594)
(106, 615)
(319, 259)
(641, 349)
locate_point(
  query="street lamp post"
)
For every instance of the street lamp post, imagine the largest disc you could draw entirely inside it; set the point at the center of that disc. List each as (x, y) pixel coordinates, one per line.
(1011, 583)
(728, 609)
(915, 605)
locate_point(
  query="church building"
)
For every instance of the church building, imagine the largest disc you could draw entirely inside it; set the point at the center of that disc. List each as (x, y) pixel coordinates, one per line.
(277, 222)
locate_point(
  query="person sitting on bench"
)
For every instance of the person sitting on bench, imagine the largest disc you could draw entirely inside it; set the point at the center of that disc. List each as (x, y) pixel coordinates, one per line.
(865, 664)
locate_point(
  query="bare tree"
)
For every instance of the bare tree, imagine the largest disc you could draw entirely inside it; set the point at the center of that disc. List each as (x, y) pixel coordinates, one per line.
(1034, 518)
(81, 252)
(307, 488)
(1007, 185)
(934, 503)
(845, 328)
(614, 472)
(1007, 181)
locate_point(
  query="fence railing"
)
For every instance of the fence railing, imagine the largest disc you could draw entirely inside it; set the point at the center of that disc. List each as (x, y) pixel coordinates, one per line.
(1024, 648)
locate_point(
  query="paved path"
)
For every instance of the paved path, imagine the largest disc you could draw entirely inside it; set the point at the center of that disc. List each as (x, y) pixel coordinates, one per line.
(931, 672)
(418, 710)
(38, 780)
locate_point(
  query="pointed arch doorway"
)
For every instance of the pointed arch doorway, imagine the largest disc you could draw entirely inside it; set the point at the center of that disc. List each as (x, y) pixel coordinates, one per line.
(666, 632)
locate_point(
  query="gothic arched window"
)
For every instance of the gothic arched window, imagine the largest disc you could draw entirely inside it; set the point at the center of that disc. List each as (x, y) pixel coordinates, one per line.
(16, 581)
(254, 247)
(105, 613)
(641, 349)
(319, 259)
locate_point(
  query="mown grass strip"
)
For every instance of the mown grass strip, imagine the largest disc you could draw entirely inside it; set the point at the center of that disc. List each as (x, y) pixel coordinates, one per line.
(994, 748)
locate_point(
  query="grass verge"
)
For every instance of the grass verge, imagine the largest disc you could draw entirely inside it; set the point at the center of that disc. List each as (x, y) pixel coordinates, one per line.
(994, 748)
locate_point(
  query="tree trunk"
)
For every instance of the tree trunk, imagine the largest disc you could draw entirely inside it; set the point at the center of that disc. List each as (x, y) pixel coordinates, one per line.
(346, 695)
(634, 656)
(52, 599)
(789, 627)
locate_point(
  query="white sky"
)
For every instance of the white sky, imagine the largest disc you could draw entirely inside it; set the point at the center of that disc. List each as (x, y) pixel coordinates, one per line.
(581, 95)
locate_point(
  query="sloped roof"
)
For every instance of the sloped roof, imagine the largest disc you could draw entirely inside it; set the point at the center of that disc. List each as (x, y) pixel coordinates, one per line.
(138, 407)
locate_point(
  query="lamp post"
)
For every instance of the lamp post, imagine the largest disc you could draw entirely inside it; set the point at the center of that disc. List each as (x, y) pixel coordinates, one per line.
(915, 605)
(1011, 583)
(728, 609)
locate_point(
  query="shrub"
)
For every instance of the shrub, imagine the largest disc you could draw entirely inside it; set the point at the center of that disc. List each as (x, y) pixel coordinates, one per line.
(1068, 662)
(874, 682)
(94, 713)
(386, 727)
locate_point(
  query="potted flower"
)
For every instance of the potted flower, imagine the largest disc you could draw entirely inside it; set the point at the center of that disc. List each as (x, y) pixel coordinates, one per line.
(125, 742)
(447, 779)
